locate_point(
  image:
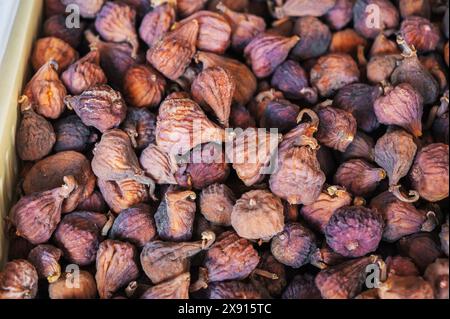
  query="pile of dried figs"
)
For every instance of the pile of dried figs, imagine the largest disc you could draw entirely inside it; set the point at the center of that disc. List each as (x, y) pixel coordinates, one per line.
(290, 149)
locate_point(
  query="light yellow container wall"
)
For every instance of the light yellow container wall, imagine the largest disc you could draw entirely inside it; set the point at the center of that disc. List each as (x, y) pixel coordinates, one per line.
(14, 71)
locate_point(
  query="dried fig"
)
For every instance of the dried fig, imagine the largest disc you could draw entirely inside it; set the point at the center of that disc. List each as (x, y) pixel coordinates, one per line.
(216, 204)
(65, 287)
(116, 267)
(270, 275)
(53, 49)
(437, 275)
(302, 287)
(187, 7)
(55, 26)
(157, 23)
(420, 33)
(300, 8)
(366, 24)
(315, 37)
(443, 235)
(45, 258)
(340, 15)
(36, 216)
(411, 287)
(140, 124)
(415, 8)
(401, 266)
(177, 288)
(361, 147)
(87, 9)
(123, 194)
(380, 67)
(347, 41)
(159, 165)
(324, 257)
(18, 280)
(383, 46)
(73, 135)
(233, 290)
(422, 248)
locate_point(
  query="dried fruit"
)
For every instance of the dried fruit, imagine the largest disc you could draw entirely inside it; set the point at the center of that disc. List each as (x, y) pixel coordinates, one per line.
(53, 49)
(179, 121)
(94, 203)
(270, 275)
(116, 267)
(157, 23)
(123, 194)
(422, 248)
(340, 15)
(369, 24)
(55, 26)
(84, 73)
(140, 125)
(380, 67)
(177, 288)
(401, 266)
(420, 33)
(359, 177)
(216, 204)
(116, 23)
(46, 91)
(73, 135)
(87, 9)
(159, 165)
(401, 218)
(175, 215)
(300, 8)
(318, 213)
(267, 51)
(233, 290)
(176, 46)
(66, 288)
(345, 280)
(45, 258)
(162, 261)
(244, 78)
(324, 257)
(383, 46)
(332, 72)
(135, 225)
(361, 147)
(36, 216)
(294, 246)
(415, 8)
(240, 117)
(49, 173)
(100, 106)
(302, 287)
(411, 287)
(35, 135)
(187, 7)
(443, 235)
(347, 41)
(437, 275)
(258, 215)
(230, 258)
(354, 231)
(337, 128)
(143, 86)
(315, 37)
(18, 280)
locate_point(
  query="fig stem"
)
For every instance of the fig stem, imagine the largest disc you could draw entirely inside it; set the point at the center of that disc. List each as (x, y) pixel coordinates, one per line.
(130, 290)
(70, 184)
(359, 201)
(407, 50)
(430, 223)
(438, 110)
(414, 195)
(265, 274)
(24, 103)
(312, 115)
(208, 238)
(109, 223)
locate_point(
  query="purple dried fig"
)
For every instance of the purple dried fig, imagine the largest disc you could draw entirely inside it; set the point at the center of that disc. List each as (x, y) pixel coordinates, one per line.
(175, 215)
(361, 147)
(429, 173)
(87, 9)
(159, 165)
(358, 99)
(422, 248)
(325, 257)
(66, 287)
(315, 37)
(369, 24)
(270, 275)
(36, 216)
(216, 204)
(345, 280)
(258, 215)
(359, 177)
(420, 33)
(94, 203)
(332, 72)
(116, 267)
(340, 15)
(294, 246)
(18, 280)
(187, 7)
(279, 114)
(177, 288)
(135, 225)
(233, 290)
(267, 51)
(319, 213)
(302, 287)
(73, 135)
(411, 287)
(240, 117)
(300, 8)
(120, 195)
(163, 261)
(354, 231)
(45, 258)
(140, 125)
(157, 23)
(230, 258)
(437, 275)
(55, 26)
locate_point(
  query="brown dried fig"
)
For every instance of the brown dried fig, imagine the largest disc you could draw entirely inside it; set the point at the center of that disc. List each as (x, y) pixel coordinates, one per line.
(216, 204)
(18, 280)
(45, 258)
(159, 165)
(300, 8)
(401, 266)
(302, 287)
(74, 286)
(422, 248)
(233, 290)
(177, 288)
(123, 194)
(157, 23)
(437, 275)
(53, 49)
(140, 124)
(55, 26)
(420, 33)
(410, 287)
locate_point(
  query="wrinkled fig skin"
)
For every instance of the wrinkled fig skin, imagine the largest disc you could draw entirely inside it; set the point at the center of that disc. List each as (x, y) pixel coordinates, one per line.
(100, 106)
(36, 216)
(122, 194)
(55, 26)
(401, 266)
(315, 37)
(94, 203)
(87, 9)
(230, 258)
(325, 256)
(302, 287)
(422, 248)
(45, 258)
(233, 290)
(52, 48)
(175, 215)
(280, 114)
(380, 67)
(358, 99)
(429, 174)
(300, 8)
(258, 215)
(216, 204)
(401, 219)
(361, 147)
(79, 239)
(354, 231)
(49, 173)
(420, 33)
(157, 23)
(18, 280)
(294, 246)
(140, 125)
(159, 165)
(359, 177)
(347, 41)
(409, 287)
(345, 280)
(437, 275)
(332, 72)
(337, 128)
(177, 288)
(135, 225)
(340, 15)
(388, 15)
(73, 135)
(116, 267)
(319, 213)
(395, 152)
(86, 288)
